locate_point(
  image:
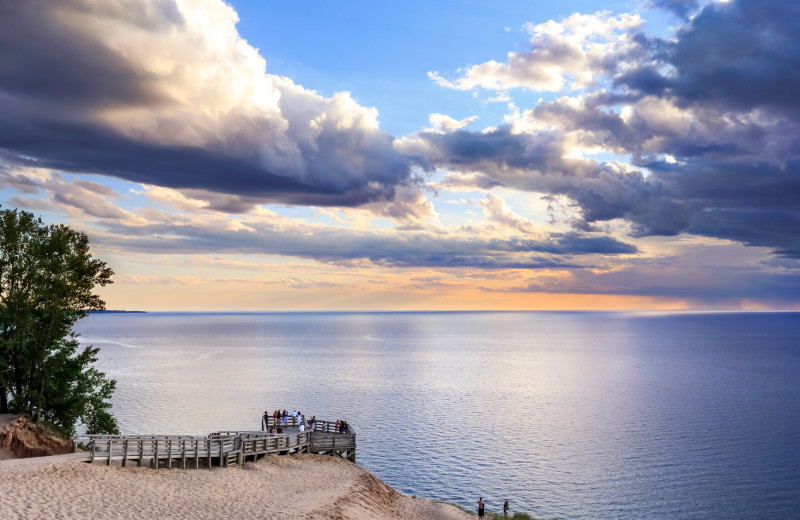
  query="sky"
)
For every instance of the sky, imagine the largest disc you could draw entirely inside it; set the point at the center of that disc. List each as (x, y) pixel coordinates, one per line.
(374, 156)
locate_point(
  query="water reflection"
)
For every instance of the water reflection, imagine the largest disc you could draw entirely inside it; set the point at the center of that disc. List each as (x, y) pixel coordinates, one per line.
(566, 414)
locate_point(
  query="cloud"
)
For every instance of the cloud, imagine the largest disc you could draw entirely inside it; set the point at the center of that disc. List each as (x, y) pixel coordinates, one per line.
(76, 197)
(708, 119)
(497, 212)
(443, 123)
(564, 55)
(732, 55)
(539, 162)
(165, 221)
(681, 8)
(166, 92)
(711, 275)
(410, 207)
(341, 245)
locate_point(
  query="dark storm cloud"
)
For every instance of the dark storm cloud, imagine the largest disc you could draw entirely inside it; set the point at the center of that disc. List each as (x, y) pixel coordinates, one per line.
(89, 148)
(765, 227)
(756, 204)
(738, 55)
(64, 80)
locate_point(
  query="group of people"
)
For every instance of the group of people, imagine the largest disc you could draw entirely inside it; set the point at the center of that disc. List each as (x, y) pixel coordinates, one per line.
(482, 507)
(275, 422)
(284, 418)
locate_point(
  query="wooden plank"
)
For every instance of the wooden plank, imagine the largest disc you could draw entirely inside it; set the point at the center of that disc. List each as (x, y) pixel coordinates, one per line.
(230, 447)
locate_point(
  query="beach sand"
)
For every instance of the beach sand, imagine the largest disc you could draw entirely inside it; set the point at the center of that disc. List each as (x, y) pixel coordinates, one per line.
(276, 487)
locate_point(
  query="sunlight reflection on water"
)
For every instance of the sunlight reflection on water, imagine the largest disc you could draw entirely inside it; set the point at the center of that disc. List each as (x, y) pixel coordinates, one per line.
(576, 415)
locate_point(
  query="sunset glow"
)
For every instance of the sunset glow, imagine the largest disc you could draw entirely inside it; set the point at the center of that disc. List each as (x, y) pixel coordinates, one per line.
(253, 156)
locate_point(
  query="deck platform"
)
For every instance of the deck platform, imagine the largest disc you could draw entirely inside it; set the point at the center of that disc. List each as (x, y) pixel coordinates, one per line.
(221, 449)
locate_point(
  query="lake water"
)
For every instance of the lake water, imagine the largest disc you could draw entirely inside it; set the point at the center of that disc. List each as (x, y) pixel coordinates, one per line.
(571, 415)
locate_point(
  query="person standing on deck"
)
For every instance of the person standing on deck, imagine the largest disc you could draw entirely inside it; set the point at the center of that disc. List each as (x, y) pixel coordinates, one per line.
(481, 506)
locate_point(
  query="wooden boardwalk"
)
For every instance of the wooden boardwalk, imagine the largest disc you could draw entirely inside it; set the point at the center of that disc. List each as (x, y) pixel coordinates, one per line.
(222, 449)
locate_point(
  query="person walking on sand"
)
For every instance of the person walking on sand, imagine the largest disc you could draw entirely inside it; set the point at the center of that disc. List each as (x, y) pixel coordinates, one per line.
(481, 505)
(505, 509)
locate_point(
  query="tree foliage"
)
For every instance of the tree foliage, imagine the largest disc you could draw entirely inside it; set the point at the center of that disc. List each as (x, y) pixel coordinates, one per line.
(47, 276)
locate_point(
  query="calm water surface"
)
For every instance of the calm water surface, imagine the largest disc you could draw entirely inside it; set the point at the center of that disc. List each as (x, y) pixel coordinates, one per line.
(575, 415)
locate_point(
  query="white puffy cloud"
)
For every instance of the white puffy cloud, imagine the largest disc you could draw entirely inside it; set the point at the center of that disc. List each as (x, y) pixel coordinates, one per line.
(564, 55)
(444, 123)
(500, 215)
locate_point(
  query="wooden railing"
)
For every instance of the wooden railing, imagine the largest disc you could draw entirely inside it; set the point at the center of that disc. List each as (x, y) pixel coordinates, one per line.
(290, 421)
(228, 448)
(330, 427)
(158, 448)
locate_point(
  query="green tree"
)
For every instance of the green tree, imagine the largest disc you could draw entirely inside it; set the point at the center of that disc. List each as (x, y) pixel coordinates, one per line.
(47, 275)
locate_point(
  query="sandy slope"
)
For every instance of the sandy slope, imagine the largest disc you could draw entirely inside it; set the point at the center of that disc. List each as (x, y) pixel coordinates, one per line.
(277, 487)
(6, 453)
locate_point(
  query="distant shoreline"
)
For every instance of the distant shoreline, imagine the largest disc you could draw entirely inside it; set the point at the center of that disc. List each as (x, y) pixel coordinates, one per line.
(661, 312)
(114, 312)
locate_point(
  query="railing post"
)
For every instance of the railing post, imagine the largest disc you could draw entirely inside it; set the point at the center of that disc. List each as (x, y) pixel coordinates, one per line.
(169, 454)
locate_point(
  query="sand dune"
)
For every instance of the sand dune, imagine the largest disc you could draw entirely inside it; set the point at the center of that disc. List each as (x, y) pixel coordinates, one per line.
(276, 487)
